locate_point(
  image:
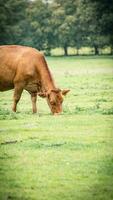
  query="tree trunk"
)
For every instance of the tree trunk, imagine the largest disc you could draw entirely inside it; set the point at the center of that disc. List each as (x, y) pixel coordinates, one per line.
(111, 50)
(77, 52)
(48, 51)
(96, 50)
(66, 51)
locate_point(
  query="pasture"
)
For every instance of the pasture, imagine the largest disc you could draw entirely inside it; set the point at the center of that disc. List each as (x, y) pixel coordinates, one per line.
(66, 157)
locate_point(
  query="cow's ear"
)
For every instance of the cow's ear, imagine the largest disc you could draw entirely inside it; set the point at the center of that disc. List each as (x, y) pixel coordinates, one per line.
(64, 92)
(56, 90)
(42, 94)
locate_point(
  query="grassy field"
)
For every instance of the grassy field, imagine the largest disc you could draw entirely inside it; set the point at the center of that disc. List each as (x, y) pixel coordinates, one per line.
(66, 157)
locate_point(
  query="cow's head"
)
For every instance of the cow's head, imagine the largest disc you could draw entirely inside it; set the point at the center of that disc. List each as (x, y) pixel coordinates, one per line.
(55, 99)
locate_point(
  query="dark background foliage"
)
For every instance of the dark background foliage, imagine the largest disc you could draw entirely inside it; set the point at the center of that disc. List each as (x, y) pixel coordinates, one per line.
(46, 24)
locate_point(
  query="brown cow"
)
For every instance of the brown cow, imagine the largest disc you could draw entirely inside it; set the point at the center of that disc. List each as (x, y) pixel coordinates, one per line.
(25, 68)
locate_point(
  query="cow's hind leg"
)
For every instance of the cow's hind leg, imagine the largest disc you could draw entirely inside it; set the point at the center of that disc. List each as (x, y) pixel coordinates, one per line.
(34, 99)
(17, 94)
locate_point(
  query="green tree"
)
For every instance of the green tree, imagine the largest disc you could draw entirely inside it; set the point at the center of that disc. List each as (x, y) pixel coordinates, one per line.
(62, 18)
(12, 13)
(104, 11)
(98, 21)
(41, 32)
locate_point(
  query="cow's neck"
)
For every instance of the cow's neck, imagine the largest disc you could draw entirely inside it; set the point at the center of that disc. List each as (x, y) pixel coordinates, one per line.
(47, 82)
(46, 77)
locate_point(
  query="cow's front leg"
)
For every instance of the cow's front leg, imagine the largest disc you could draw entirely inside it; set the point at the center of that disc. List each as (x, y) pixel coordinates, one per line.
(17, 94)
(34, 99)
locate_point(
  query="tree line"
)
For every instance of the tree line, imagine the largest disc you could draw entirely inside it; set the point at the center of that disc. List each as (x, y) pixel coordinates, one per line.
(47, 24)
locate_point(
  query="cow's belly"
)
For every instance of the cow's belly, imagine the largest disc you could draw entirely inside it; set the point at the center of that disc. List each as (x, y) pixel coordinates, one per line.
(6, 78)
(6, 85)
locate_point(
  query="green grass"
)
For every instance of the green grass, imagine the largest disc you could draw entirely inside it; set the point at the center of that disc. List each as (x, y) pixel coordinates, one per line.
(66, 157)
